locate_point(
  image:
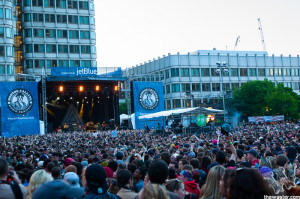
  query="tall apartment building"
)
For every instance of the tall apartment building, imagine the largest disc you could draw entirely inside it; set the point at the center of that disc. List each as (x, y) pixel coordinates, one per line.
(37, 34)
(192, 79)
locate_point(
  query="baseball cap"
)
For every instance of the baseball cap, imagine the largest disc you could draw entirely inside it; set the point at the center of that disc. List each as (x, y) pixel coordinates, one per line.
(57, 189)
(68, 162)
(191, 154)
(253, 152)
(72, 178)
(109, 172)
(96, 179)
(264, 169)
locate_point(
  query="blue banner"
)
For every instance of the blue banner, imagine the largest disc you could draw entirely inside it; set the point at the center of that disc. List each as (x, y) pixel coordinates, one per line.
(86, 72)
(19, 108)
(148, 98)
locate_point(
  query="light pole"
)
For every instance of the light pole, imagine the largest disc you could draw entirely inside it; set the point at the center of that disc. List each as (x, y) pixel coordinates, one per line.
(222, 68)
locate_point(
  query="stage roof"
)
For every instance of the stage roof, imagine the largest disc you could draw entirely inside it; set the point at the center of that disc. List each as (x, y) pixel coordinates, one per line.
(199, 110)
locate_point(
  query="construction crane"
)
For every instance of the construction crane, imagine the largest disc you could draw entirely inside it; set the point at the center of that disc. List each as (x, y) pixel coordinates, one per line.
(236, 42)
(261, 34)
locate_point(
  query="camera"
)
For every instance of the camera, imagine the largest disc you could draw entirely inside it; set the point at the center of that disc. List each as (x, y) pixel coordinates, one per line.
(10, 176)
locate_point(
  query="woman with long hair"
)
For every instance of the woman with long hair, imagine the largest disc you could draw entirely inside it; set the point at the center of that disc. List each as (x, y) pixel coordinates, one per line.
(37, 179)
(176, 186)
(211, 189)
(153, 191)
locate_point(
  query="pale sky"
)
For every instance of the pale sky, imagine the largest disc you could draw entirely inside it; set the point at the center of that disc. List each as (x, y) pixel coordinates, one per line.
(130, 32)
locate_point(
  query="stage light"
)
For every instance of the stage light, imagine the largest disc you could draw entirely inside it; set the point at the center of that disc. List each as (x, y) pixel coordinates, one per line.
(81, 88)
(116, 88)
(71, 98)
(57, 98)
(97, 88)
(85, 97)
(87, 102)
(61, 89)
(77, 102)
(98, 97)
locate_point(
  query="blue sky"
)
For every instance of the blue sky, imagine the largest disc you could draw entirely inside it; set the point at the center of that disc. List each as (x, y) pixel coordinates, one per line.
(130, 32)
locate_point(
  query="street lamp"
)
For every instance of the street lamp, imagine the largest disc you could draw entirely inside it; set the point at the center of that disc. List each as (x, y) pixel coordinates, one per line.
(222, 68)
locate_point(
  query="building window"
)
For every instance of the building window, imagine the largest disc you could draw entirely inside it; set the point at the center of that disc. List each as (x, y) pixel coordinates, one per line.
(195, 87)
(295, 72)
(51, 48)
(185, 87)
(62, 34)
(63, 63)
(26, 3)
(235, 85)
(28, 48)
(73, 19)
(8, 13)
(167, 74)
(9, 51)
(186, 103)
(85, 63)
(27, 17)
(85, 49)
(261, 72)
(61, 4)
(205, 72)
(161, 75)
(169, 104)
(61, 18)
(184, 72)
(38, 63)
(72, 4)
(39, 48)
(215, 86)
(1, 13)
(73, 34)
(74, 49)
(214, 72)
(2, 69)
(37, 17)
(38, 33)
(49, 18)
(38, 3)
(83, 5)
(205, 86)
(270, 72)
(243, 72)
(62, 48)
(1, 32)
(8, 33)
(287, 72)
(175, 72)
(51, 63)
(175, 88)
(176, 103)
(296, 85)
(234, 72)
(226, 86)
(168, 90)
(28, 64)
(49, 3)
(74, 63)
(195, 72)
(278, 72)
(84, 34)
(84, 20)
(252, 71)
(50, 33)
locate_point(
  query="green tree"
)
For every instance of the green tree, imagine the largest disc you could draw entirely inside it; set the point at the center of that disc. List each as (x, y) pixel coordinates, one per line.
(123, 107)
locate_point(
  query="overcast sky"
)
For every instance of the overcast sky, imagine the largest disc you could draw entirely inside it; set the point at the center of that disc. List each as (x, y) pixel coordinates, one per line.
(130, 32)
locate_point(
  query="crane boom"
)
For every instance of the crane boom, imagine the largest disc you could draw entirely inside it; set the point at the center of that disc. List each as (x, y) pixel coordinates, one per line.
(261, 34)
(236, 42)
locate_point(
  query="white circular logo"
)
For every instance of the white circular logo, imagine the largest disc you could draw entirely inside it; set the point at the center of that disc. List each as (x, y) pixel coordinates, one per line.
(19, 101)
(149, 98)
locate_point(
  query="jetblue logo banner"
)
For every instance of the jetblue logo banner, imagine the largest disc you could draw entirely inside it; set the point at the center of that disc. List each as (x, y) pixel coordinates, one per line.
(148, 98)
(85, 72)
(19, 108)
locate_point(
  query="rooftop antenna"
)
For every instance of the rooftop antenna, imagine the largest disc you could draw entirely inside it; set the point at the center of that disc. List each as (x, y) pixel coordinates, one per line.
(261, 34)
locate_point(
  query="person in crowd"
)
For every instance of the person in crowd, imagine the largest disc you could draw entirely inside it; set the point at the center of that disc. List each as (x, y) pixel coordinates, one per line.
(7, 189)
(283, 170)
(211, 189)
(96, 184)
(177, 187)
(72, 178)
(268, 175)
(57, 189)
(37, 179)
(138, 176)
(187, 178)
(124, 180)
(252, 157)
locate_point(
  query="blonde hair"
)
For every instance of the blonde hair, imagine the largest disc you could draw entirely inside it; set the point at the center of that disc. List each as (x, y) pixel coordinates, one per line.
(211, 189)
(37, 179)
(154, 191)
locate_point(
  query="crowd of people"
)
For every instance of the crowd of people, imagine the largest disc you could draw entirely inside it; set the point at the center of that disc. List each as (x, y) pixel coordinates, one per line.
(252, 161)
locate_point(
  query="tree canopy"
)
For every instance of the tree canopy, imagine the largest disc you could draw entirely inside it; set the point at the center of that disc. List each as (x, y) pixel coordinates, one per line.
(261, 98)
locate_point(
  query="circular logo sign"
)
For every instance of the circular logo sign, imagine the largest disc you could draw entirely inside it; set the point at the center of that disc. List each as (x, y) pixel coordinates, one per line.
(19, 101)
(201, 120)
(148, 98)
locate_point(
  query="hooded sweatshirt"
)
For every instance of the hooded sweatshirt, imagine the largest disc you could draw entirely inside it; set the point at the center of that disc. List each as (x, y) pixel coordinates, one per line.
(192, 187)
